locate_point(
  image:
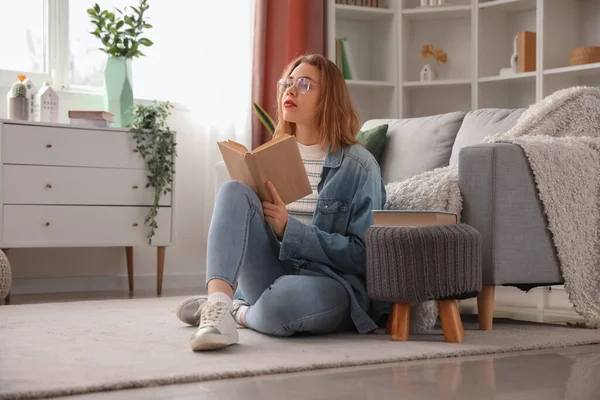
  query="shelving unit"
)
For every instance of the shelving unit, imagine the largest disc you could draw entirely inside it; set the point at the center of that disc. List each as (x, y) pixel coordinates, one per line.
(478, 37)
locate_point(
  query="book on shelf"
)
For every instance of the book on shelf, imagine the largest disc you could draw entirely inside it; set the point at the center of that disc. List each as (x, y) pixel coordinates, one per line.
(277, 160)
(413, 217)
(360, 3)
(526, 52)
(90, 118)
(345, 58)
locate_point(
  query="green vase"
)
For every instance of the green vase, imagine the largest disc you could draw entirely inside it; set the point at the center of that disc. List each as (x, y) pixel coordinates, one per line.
(118, 91)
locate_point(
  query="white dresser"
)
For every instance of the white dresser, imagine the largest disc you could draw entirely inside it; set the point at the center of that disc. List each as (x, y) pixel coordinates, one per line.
(67, 186)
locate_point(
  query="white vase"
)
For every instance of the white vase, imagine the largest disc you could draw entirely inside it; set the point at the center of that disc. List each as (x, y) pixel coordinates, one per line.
(18, 108)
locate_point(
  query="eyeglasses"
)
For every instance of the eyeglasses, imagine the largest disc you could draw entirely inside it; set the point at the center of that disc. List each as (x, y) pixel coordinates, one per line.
(302, 84)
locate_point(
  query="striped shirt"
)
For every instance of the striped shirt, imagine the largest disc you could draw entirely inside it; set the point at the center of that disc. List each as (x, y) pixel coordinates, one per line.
(313, 158)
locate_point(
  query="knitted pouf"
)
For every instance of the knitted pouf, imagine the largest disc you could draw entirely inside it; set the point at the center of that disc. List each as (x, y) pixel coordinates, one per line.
(408, 265)
(5, 276)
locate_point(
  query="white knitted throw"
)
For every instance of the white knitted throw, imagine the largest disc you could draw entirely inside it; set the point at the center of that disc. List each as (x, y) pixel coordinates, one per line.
(560, 136)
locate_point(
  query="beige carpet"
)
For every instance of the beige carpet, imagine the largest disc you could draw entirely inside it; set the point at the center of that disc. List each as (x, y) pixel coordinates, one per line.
(88, 346)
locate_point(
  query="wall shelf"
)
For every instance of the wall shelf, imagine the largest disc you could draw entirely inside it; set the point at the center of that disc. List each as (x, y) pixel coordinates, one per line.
(577, 70)
(362, 13)
(515, 77)
(437, 13)
(508, 5)
(369, 84)
(437, 83)
(478, 37)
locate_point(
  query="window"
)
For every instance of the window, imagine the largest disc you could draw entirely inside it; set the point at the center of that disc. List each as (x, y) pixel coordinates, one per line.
(86, 62)
(199, 56)
(23, 44)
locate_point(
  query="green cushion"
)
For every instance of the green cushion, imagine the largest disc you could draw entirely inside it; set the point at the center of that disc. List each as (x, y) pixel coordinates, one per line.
(374, 140)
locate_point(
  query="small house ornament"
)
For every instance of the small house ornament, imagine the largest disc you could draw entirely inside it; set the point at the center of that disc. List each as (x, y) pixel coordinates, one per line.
(427, 73)
(31, 91)
(46, 104)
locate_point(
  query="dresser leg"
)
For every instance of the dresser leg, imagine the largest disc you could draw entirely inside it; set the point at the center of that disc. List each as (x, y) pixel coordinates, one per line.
(7, 298)
(160, 267)
(129, 255)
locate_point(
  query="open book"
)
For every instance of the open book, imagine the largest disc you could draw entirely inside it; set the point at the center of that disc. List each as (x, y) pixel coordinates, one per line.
(278, 161)
(413, 217)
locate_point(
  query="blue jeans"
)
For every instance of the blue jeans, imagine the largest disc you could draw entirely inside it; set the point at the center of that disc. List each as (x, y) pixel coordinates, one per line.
(284, 299)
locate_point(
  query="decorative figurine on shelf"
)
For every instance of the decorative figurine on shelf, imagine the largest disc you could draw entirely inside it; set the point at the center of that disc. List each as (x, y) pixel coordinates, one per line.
(31, 91)
(428, 72)
(46, 104)
(18, 103)
(513, 60)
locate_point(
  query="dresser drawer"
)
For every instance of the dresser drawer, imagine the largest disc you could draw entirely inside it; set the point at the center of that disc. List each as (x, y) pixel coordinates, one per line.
(76, 226)
(26, 184)
(45, 145)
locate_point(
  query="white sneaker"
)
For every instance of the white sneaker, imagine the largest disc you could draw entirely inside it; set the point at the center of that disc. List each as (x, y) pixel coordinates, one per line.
(217, 328)
(187, 311)
(237, 304)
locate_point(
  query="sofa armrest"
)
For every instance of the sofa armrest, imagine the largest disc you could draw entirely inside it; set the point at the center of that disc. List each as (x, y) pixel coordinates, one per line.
(221, 176)
(500, 199)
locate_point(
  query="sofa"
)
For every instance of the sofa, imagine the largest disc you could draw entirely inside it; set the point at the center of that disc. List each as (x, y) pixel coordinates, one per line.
(499, 195)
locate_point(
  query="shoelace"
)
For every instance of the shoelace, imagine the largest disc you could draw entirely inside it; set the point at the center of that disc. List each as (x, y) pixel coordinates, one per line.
(211, 313)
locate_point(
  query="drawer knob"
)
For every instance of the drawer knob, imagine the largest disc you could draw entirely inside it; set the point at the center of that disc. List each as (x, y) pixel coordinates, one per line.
(135, 187)
(49, 186)
(135, 150)
(46, 223)
(135, 224)
(48, 146)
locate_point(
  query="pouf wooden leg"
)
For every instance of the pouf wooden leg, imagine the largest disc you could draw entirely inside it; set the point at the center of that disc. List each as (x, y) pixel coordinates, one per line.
(451, 323)
(485, 307)
(400, 321)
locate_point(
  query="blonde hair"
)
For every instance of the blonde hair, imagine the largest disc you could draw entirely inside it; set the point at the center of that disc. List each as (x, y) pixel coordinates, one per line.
(336, 118)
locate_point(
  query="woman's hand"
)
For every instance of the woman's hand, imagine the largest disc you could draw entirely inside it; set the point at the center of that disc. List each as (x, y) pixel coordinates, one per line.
(275, 213)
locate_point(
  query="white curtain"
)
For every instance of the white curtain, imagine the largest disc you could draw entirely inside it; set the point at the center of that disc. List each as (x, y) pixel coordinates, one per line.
(202, 62)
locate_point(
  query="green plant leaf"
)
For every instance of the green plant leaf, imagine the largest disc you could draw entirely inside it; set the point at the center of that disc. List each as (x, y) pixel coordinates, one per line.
(97, 7)
(265, 118)
(91, 11)
(146, 42)
(120, 24)
(148, 26)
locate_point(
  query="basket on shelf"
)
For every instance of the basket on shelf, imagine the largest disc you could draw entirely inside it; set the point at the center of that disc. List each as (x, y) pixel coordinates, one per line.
(5, 276)
(584, 55)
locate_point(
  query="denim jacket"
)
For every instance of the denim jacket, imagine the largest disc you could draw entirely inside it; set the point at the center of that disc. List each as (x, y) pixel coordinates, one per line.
(351, 187)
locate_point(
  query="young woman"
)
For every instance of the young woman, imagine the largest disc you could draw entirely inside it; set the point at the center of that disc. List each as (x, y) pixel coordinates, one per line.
(300, 267)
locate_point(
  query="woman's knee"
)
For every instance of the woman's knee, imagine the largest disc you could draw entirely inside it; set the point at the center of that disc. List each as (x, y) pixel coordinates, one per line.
(232, 188)
(234, 192)
(293, 304)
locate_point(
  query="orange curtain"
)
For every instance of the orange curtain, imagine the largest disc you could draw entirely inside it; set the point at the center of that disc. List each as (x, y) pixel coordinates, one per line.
(283, 30)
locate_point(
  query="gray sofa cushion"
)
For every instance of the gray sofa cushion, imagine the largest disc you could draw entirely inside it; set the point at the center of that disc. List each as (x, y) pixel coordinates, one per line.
(480, 123)
(416, 145)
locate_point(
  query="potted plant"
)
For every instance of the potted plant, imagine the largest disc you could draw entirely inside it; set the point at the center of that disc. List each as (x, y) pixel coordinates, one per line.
(121, 36)
(18, 103)
(156, 144)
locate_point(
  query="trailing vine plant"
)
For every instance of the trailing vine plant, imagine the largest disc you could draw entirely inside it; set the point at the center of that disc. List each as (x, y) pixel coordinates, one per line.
(156, 144)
